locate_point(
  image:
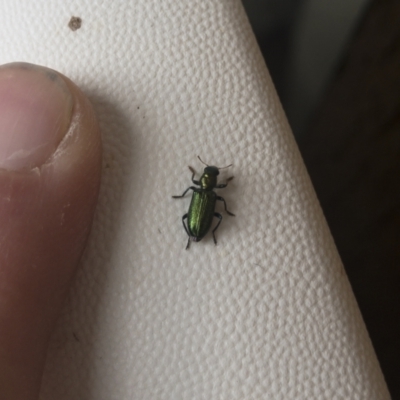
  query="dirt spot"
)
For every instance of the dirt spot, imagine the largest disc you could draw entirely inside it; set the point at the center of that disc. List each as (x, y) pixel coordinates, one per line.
(75, 23)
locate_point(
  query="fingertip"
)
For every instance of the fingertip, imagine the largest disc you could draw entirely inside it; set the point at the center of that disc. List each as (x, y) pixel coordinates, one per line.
(49, 184)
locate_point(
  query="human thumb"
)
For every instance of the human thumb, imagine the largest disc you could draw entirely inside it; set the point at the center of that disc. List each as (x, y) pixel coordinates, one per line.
(50, 156)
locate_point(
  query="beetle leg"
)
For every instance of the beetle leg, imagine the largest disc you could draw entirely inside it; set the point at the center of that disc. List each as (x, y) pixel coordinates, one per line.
(183, 194)
(184, 225)
(226, 210)
(194, 173)
(219, 216)
(224, 185)
(186, 229)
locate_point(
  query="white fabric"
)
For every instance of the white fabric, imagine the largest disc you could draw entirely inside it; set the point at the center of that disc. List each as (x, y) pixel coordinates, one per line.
(266, 314)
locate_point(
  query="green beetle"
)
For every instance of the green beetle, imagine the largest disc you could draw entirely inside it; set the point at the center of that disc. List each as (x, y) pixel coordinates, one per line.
(202, 207)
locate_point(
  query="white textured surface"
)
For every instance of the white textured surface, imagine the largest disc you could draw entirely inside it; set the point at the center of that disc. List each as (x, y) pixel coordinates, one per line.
(268, 313)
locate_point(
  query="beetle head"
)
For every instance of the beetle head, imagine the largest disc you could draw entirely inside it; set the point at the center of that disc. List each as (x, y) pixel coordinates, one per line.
(211, 170)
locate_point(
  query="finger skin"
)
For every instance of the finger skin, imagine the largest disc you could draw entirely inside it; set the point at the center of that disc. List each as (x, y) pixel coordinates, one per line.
(45, 219)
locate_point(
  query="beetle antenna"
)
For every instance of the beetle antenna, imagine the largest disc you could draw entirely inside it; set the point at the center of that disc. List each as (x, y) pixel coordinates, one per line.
(202, 161)
(230, 165)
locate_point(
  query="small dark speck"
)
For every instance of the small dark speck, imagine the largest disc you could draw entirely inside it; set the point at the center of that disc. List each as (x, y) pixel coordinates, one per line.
(51, 75)
(108, 166)
(138, 108)
(76, 337)
(75, 23)
(159, 231)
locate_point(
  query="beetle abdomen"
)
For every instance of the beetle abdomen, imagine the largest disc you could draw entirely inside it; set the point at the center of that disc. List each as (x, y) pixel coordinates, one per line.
(201, 213)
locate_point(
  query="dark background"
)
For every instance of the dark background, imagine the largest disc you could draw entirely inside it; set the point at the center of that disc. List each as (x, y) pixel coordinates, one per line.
(336, 67)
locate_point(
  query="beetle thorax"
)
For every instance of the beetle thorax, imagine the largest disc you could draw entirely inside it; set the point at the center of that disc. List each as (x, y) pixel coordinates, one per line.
(208, 181)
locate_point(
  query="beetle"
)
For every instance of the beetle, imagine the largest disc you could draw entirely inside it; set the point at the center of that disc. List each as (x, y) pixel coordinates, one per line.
(202, 207)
